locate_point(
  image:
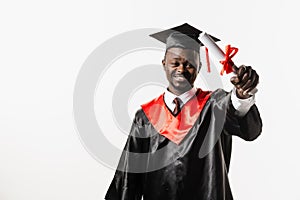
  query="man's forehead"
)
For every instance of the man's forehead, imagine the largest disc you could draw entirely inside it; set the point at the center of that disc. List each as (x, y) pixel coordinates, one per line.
(182, 53)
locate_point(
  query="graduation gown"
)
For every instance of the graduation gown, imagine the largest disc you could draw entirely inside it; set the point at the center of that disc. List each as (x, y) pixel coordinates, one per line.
(157, 164)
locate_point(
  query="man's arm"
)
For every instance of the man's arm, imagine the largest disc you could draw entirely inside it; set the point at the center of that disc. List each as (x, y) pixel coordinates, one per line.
(243, 118)
(247, 127)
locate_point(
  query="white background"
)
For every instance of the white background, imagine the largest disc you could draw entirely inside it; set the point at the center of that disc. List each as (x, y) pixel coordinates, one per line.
(43, 45)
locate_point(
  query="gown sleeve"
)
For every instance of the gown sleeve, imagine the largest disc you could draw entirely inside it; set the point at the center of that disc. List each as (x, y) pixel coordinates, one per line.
(248, 127)
(126, 183)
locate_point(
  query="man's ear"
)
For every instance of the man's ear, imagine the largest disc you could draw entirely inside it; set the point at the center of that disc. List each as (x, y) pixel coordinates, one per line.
(163, 63)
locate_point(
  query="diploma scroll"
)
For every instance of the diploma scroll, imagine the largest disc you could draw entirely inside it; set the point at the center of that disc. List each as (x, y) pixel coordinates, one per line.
(218, 53)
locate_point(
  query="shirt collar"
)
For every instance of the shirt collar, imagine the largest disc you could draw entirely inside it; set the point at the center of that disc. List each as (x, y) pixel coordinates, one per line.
(169, 97)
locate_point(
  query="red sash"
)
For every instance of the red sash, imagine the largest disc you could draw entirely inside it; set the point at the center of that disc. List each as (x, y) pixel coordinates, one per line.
(175, 128)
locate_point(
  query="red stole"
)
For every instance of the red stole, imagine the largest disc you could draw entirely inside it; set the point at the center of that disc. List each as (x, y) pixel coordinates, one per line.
(175, 128)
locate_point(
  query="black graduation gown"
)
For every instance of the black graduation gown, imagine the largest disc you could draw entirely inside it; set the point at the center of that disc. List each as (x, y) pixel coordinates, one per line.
(155, 168)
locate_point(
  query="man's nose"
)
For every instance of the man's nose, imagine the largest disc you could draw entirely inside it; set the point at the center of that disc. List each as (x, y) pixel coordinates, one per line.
(181, 67)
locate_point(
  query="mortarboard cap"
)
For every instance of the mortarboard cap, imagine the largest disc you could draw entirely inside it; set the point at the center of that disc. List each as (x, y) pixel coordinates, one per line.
(183, 36)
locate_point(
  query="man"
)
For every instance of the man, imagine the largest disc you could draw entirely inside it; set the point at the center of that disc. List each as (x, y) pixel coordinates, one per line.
(179, 145)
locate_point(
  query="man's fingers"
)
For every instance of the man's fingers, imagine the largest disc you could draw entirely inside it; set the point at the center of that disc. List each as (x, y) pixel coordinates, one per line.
(234, 80)
(253, 84)
(250, 81)
(241, 74)
(245, 78)
(241, 71)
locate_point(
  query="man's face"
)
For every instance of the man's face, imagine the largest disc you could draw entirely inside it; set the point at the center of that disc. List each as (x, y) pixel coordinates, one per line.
(181, 67)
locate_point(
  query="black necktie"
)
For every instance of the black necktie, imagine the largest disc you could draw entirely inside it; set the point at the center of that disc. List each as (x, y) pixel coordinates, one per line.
(177, 105)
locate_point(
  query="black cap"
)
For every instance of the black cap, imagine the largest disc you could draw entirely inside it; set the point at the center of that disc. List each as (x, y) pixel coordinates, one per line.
(183, 36)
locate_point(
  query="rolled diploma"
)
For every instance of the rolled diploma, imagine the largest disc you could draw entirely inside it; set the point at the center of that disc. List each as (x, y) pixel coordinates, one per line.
(217, 52)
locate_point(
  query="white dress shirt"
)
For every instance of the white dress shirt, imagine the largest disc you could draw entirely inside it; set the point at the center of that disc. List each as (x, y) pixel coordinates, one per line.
(242, 106)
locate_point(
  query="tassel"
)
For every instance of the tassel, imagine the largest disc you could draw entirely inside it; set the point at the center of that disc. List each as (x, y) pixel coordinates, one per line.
(207, 60)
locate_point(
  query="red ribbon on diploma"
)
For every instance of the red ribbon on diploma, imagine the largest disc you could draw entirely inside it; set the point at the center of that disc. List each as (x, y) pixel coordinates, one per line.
(227, 63)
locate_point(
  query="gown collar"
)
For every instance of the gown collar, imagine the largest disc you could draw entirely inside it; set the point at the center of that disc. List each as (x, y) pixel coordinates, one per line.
(185, 97)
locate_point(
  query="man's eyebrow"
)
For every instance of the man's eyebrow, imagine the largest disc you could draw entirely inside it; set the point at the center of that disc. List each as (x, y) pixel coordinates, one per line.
(186, 60)
(176, 57)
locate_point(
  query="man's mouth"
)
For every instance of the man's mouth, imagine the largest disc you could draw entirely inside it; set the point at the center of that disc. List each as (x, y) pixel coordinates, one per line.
(180, 78)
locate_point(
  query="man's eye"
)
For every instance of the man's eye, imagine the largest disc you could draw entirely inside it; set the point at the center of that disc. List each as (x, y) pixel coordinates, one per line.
(190, 65)
(176, 64)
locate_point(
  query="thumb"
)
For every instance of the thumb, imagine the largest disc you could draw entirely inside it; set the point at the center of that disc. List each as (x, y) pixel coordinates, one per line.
(234, 80)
